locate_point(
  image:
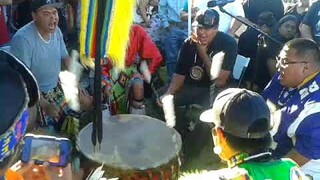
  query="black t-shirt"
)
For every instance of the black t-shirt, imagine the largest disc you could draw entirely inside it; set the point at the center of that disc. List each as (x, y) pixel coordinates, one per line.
(247, 47)
(189, 61)
(312, 19)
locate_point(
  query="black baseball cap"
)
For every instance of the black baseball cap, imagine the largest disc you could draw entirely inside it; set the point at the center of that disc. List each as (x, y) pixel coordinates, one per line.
(37, 4)
(207, 19)
(18, 87)
(236, 111)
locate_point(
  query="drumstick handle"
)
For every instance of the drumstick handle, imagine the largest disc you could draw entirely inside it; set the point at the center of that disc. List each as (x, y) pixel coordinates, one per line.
(94, 131)
(155, 91)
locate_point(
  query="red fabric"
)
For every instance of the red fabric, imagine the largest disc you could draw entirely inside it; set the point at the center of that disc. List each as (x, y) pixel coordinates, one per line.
(4, 34)
(139, 43)
(142, 44)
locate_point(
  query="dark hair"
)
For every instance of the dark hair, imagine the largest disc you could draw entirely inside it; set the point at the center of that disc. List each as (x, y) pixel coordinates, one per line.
(305, 47)
(267, 18)
(288, 18)
(250, 145)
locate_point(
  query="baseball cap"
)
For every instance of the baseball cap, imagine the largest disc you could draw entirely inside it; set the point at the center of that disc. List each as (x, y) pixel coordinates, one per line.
(237, 112)
(37, 4)
(207, 19)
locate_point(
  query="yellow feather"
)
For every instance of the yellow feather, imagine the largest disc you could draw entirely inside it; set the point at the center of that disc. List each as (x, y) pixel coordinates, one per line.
(119, 30)
(83, 24)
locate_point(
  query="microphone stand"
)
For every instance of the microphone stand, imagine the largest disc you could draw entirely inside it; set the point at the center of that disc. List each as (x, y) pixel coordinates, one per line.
(250, 25)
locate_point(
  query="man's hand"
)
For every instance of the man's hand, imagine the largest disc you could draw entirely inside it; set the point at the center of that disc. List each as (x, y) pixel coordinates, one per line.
(200, 48)
(85, 100)
(52, 110)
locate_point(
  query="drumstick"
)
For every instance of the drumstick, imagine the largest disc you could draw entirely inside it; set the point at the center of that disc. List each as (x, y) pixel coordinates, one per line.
(144, 69)
(70, 81)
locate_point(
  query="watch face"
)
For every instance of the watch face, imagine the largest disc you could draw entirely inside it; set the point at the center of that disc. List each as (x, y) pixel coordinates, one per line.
(196, 73)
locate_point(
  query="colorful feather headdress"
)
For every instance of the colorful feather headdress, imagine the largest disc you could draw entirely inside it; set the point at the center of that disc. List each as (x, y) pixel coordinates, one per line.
(117, 20)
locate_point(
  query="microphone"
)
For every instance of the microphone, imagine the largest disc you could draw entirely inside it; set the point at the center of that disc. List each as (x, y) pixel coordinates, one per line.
(215, 3)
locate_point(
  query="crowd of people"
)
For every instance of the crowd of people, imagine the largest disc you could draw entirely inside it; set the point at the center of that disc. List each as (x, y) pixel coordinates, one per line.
(254, 129)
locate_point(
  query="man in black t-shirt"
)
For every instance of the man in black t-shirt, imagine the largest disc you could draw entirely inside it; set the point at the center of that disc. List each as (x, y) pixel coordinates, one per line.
(192, 82)
(195, 59)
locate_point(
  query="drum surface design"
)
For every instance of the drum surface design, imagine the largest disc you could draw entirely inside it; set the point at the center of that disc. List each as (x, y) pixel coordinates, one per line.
(132, 142)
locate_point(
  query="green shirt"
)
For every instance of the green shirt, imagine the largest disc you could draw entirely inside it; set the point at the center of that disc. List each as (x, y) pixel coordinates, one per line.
(282, 169)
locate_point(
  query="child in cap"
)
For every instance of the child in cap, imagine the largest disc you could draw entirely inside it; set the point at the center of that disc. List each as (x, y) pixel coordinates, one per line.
(241, 137)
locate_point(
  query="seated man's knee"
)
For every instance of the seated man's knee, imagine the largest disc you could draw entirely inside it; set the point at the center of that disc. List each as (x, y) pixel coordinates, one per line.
(137, 89)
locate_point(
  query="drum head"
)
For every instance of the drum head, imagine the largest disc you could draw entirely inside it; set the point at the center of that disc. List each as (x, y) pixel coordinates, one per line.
(132, 142)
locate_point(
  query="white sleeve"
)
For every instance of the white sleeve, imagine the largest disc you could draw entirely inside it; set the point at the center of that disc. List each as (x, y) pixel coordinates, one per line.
(235, 8)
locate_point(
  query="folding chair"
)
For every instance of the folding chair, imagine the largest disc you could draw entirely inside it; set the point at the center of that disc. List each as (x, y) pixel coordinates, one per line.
(239, 68)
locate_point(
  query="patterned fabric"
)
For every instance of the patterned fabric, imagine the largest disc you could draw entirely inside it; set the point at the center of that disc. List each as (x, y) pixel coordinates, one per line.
(118, 85)
(12, 136)
(68, 121)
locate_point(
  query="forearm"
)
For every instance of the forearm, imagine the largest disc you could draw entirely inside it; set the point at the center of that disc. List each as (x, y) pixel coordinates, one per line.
(205, 58)
(297, 157)
(235, 26)
(176, 84)
(305, 31)
(66, 63)
(143, 13)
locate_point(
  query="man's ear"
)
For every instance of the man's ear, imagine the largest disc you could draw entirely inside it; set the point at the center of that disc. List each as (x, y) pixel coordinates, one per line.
(217, 135)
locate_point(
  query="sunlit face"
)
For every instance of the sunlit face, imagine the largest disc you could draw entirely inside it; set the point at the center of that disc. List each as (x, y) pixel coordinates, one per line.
(290, 67)
(47, 19)
(206, 35)
(288, 29)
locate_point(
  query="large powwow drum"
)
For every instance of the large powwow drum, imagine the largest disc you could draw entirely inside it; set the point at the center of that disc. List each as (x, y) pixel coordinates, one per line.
(134, 147)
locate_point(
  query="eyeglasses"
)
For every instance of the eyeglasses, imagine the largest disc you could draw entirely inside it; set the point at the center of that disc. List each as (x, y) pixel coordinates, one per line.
(283, 62)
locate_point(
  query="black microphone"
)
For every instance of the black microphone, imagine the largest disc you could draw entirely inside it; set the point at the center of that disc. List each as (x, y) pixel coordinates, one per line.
(215, 3)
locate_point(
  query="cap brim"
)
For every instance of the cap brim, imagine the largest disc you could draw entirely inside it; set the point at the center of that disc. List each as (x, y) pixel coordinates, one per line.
(196, 24)
(207, 116)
